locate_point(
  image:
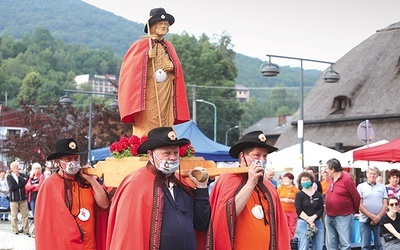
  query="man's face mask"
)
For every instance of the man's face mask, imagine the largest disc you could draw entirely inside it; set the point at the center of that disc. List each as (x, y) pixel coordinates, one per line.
(72, 167)
(166, 167)
(262, 163)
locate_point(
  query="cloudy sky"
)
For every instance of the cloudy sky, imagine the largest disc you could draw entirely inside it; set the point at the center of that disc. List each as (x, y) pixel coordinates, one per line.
(311, 29)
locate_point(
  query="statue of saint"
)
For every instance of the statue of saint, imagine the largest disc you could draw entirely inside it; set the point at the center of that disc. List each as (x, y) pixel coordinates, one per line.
(152, 90)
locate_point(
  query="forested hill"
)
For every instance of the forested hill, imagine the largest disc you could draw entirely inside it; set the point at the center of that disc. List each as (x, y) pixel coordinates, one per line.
(72, 21)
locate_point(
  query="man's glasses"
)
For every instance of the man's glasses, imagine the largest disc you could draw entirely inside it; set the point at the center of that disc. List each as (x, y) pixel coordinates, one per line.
(394, 204)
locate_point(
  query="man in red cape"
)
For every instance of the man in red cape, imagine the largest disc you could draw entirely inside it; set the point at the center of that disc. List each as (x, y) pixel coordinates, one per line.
(151, 91)
(246, 209)
(154, 207)
(77, 222)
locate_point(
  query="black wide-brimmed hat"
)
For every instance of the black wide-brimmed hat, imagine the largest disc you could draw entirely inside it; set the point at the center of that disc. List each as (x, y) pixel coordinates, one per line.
(66, 147)
(161, 137)
(250, 140)
(159, 14)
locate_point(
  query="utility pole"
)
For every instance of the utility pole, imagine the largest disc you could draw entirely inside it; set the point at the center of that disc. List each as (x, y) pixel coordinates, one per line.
(194, 114)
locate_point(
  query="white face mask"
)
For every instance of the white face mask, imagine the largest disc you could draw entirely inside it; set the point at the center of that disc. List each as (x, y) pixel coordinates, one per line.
(166, 167)
(71, 167)
(262, 163)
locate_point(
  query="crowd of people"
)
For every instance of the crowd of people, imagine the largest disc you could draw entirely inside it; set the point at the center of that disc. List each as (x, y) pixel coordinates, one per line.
(18, 193)
(241, 211)
(326, 218)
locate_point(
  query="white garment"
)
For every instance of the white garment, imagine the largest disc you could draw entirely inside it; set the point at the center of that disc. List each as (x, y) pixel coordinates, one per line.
(3, 187)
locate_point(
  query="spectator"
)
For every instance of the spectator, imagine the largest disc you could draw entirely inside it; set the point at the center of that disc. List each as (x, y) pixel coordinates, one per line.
(70, 203)
(390, 225)
(246, 210)
(154, 207)
(379, 180)
(18, 202)
(341, 203)
(372, 207)
(287, 192)
(316, 184)
(4, 197)
(324, 182)
(310, 208)
(393, 188)
(269, 175)
(35, 180)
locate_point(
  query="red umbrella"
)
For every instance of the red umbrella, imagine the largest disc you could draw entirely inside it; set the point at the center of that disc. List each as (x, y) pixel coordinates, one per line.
(389, 152)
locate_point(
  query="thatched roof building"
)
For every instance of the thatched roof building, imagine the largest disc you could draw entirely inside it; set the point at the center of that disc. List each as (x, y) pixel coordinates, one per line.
(369, 88)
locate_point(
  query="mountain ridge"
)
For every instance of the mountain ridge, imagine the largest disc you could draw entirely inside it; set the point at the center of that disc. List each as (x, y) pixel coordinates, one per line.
(75, 21)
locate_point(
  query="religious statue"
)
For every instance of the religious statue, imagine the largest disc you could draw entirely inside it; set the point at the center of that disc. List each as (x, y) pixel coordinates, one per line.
(152, 90)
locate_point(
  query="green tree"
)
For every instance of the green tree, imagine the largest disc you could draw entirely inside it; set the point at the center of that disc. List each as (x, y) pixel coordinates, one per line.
(46, 124)
(30, 85)
(209, 66)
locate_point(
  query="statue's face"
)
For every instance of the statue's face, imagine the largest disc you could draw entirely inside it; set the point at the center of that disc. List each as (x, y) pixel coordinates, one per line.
(160, 28)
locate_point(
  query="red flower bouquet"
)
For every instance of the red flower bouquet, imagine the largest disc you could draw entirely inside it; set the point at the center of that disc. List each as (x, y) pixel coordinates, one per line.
(127, 146)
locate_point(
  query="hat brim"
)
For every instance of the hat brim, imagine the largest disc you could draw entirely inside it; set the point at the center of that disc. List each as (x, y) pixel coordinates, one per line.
(158, 143)
(59, 154)
(236, 149)
(157, 18)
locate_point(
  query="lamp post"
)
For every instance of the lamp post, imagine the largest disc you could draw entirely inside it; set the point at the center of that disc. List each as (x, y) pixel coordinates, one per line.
(66, 100)
(226, 133)
(331, 76)
(215, 115)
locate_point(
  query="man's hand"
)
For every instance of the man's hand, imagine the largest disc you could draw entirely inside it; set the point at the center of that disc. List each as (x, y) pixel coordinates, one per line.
(198, 184)
(256, 172)
(88, 177)
(374, 220)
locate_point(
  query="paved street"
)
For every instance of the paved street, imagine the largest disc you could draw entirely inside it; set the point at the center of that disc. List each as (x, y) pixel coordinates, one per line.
(9, 240)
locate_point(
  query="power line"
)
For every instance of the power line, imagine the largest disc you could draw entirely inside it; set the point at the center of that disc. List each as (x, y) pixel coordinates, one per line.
(255, 88)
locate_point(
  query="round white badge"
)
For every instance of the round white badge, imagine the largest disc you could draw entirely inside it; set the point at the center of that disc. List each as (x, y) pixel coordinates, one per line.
(84, 214)
(257, 212)
(160, 75)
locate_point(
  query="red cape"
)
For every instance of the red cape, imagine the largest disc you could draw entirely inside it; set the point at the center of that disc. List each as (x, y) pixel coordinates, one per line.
(222, 200)
(55, 227)
(130, 224)
(132, 83)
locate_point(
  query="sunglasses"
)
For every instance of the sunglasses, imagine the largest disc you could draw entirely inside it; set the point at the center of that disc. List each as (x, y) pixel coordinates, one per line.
(394, 204)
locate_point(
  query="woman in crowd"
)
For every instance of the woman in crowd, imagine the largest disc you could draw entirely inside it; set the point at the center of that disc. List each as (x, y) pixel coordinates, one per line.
(324, 182)
(287, 191)
(309, 207)
(390, 225)
(35, 180)
(393, 188)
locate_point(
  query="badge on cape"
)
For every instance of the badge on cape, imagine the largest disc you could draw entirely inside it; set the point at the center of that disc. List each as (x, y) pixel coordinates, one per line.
(257, 212)
(84, 214)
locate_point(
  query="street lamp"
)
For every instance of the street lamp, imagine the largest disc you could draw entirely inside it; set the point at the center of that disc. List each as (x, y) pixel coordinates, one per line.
(66, 101)
(331, 76)
(226, 133)
(215, 115)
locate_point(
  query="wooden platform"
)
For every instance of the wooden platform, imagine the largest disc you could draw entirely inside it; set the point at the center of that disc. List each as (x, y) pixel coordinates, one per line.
(114, 170)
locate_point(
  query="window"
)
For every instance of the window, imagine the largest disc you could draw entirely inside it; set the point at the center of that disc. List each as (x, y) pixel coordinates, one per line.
(340, 104)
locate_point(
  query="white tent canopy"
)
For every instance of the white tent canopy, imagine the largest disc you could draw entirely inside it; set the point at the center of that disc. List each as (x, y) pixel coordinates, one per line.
(289, 158)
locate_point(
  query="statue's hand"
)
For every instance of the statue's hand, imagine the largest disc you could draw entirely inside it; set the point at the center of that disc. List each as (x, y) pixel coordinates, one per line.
(152, 53)
(168, 66)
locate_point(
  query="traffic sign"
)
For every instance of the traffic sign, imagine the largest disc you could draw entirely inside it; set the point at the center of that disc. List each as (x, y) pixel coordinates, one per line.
(366, 132)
